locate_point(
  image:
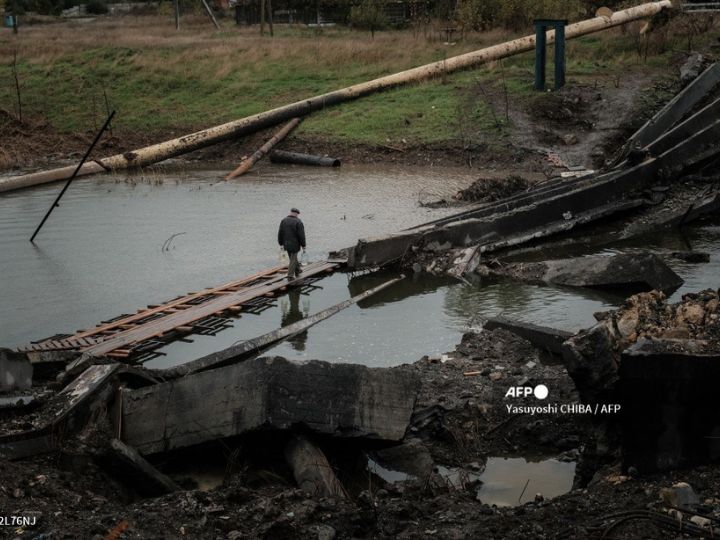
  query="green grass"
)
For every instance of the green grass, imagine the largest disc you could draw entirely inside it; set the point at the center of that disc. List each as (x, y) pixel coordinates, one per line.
(169, 83)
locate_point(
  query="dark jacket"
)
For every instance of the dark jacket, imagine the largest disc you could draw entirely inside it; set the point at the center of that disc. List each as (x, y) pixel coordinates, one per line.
(291, 234)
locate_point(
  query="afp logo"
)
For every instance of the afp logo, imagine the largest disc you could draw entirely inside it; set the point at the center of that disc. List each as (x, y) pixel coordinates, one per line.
(540, 391)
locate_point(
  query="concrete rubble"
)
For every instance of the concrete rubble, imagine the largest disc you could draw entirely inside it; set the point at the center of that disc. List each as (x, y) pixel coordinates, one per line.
(627, 272)
(343, 400)
(16, 371)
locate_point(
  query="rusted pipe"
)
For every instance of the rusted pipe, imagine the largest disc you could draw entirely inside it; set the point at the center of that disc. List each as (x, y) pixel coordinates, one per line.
(251, 124)
(297, 158)
(246, 164)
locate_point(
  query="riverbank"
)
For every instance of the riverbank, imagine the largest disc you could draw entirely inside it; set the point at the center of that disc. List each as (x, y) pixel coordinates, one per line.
(174, 83)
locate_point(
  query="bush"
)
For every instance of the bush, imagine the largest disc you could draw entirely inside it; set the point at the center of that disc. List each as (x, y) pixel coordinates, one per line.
(369, 15)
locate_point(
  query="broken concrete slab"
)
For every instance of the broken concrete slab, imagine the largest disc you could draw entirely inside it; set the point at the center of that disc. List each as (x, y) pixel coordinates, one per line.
(671, 414)
(692, 154)
(311, 469)
(411, 458)
(542, 337)
(16, 371)
(47, 364)
(65, 413)
(342, 400)
(586, 202)
(676, 108)
(591, 362)
(698, 121)
(631, 272)
(675, 216)
(126, 463)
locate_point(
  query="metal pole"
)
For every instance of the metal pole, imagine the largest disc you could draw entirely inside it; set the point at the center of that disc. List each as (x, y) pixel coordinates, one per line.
(540, 55)
(210, 14)
(14, 16)
(176, 5)
(560, 54)
(67, 185)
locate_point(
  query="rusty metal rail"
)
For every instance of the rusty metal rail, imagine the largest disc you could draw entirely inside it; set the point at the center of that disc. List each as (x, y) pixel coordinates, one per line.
(137, 336)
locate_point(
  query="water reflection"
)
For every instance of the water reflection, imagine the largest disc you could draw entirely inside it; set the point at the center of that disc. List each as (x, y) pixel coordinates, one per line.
(291, 313)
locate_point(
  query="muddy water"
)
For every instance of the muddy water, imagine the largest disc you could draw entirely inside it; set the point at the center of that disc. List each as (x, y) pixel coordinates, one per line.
(100, 254)
(513, 481)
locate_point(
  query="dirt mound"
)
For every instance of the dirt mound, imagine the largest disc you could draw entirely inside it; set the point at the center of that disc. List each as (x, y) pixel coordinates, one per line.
(493, 189)
(26, 142)
(570, 107)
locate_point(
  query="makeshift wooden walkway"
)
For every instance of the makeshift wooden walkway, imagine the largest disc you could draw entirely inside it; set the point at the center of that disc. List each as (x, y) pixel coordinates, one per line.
(137, 337)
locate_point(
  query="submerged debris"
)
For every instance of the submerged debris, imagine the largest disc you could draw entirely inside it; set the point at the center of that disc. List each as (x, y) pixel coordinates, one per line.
(493, 189)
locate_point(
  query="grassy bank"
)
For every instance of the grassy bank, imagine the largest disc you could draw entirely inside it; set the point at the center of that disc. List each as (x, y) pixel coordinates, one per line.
(162, 81)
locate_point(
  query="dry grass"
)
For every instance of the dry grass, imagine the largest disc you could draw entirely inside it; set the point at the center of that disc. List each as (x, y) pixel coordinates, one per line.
(161, 79)
(156, 44)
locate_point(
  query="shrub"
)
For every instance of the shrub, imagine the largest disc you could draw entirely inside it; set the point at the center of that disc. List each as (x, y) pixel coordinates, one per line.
(368, 15)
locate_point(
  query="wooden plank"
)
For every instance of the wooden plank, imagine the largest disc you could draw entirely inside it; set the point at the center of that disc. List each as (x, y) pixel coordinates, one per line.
(182, 300)
(187, 317)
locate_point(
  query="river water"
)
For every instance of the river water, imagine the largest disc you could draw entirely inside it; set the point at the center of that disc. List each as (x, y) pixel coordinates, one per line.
(100, 255)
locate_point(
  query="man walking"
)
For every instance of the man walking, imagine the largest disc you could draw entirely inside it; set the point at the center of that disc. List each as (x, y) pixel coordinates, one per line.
(291, 236)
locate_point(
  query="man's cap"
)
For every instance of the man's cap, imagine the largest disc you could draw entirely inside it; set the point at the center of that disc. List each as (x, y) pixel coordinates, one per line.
(295, 210)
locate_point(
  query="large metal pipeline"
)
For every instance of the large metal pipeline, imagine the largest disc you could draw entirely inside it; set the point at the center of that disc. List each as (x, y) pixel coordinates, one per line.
(250, 124)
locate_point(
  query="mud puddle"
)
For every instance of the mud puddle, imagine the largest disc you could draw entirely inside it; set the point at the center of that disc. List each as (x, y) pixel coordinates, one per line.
(504, 481)
(516, 480)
